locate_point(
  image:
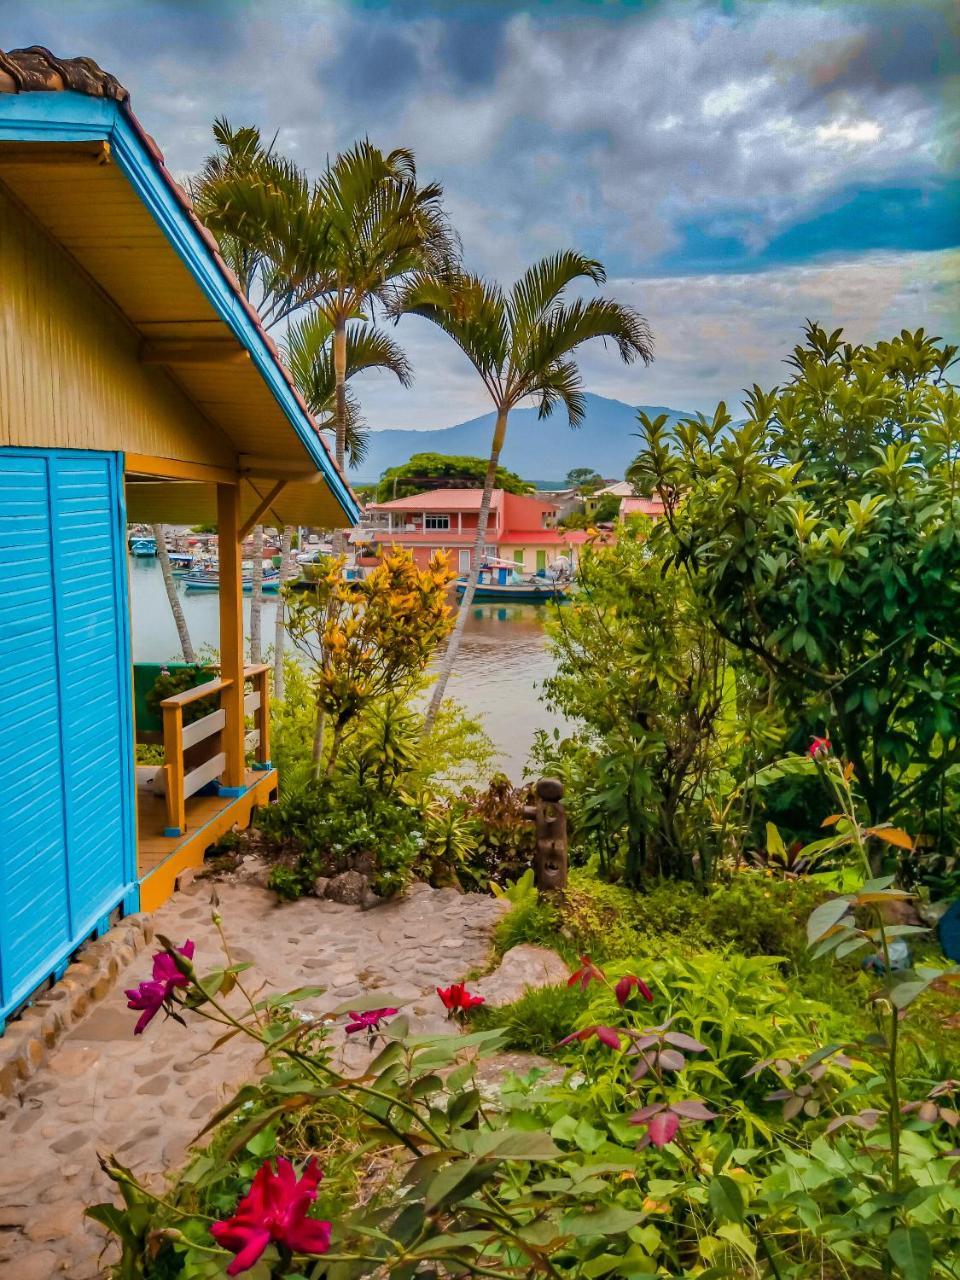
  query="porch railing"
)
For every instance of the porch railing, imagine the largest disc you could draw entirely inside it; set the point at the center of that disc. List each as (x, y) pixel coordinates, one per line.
(188, 770)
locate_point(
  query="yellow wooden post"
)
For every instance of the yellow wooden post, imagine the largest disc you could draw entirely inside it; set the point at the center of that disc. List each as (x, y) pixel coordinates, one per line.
(231, 635)
(173, 763)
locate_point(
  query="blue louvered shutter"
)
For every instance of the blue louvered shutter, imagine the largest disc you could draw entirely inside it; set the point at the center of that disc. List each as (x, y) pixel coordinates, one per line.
(66, 827)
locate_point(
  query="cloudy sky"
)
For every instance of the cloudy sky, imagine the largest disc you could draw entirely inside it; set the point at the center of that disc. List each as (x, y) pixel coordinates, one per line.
(736, 164)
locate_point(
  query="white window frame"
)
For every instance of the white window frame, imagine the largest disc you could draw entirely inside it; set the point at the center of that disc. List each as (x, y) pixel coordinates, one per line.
(431, 522)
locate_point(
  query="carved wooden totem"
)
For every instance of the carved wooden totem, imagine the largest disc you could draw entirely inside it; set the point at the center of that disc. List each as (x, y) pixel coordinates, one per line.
(550, 859)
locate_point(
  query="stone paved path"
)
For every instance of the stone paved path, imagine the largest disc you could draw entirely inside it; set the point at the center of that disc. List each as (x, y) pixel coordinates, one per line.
(145, 1099)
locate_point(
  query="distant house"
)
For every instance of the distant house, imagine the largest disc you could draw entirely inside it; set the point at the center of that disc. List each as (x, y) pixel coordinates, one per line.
(137, 385)
(633, 506)
(520, 528)
(630, 504)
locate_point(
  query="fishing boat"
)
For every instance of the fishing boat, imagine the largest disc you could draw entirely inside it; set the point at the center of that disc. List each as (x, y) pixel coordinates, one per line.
(181, 561)
(499, 581)
(207, 578)
(143, 548)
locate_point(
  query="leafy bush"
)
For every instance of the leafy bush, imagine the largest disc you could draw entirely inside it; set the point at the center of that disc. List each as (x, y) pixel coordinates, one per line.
(321, 830)
(506, 839)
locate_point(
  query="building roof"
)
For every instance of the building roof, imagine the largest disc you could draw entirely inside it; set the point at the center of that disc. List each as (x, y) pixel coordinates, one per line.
(440, 500)
(621, 489)
(641, 506)
(71, 149)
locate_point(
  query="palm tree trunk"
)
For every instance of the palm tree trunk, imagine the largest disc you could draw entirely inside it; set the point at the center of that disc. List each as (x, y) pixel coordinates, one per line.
(280, 631)
(186, 645)
(453, 644)
(340, 412)
(256, 598)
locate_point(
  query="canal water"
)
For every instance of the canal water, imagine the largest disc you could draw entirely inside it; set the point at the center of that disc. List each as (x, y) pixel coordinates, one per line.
(502, 663)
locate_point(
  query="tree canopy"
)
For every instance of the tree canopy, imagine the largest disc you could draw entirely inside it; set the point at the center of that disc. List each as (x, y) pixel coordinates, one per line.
(825, 534)
(443, 471)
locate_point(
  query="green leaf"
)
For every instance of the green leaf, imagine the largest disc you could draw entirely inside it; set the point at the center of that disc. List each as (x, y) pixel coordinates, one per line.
(611, 1221)
(824, 917)
(910, 1249)
(726, 1199)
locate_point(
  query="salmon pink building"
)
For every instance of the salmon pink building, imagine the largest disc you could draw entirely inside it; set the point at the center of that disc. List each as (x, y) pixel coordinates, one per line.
(520, 527)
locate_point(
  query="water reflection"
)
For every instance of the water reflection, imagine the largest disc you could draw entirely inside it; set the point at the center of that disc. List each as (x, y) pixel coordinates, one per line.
(501, 666)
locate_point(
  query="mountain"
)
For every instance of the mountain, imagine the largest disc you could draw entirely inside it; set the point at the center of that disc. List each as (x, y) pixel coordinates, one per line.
(536, 450)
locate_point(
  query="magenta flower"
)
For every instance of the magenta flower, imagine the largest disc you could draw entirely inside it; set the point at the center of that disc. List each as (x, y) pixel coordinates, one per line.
(819, 747)
(150, 996)
(606, 1035)
(369, 1021)
(626, 985)
(587, 973)
(274, 1209)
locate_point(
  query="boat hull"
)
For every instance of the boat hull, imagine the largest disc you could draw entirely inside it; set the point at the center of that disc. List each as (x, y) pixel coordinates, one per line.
(518, 593)
(270, 587)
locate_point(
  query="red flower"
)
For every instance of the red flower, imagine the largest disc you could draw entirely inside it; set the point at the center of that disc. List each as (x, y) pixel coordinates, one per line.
(275, 1208)
(626, 985)
(369, 1021)
(150, 996)
(587, 973)
(819, 747)
(457, 999)
(606, 1035)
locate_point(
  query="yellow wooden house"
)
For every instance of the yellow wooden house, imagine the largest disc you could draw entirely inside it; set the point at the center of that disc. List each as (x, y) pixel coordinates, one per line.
(136, 384)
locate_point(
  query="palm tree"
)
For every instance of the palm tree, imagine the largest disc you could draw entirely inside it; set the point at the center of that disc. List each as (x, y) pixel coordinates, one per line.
(309, 355)
(341, 245)
(521, 343)
(176, 608)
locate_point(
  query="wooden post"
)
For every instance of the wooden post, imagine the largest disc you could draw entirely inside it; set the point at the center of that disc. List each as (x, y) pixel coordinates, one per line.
(231, 636)
(173, 764)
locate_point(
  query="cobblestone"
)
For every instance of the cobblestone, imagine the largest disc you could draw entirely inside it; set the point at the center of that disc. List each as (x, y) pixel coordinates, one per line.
(100, 1090)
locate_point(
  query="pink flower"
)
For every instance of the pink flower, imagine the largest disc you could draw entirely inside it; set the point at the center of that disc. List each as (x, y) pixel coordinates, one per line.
(275, 1208)
(606, 1035)
(626, 985)
(587, 973)
(369, 1021)
(819, 747)
(457, 999)
(150, 996)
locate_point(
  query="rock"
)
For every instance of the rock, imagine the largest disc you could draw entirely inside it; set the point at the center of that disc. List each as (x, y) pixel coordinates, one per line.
(493, 1072)
(899, 911)
(39, 1266)
(348, 888)
(59, 1222)
(320, 886)
(369, 900)
(522, 968)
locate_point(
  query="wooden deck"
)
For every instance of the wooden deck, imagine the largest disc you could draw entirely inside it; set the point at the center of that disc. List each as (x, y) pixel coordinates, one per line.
(163, 858)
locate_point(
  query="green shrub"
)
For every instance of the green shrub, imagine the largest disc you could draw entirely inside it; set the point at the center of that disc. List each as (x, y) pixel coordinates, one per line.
(538, 1021)
(323, 828)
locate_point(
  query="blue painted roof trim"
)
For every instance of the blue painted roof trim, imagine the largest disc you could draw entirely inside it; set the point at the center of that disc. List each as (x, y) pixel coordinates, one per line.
(74, 117)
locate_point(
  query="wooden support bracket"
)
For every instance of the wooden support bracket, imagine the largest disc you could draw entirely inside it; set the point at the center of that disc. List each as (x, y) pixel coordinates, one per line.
(264, 506)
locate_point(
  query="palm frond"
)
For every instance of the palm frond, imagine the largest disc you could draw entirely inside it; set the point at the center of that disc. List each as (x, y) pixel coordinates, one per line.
(568, 327)
(308, 352)
(561, 384)
(539, 290)
(471, 311)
